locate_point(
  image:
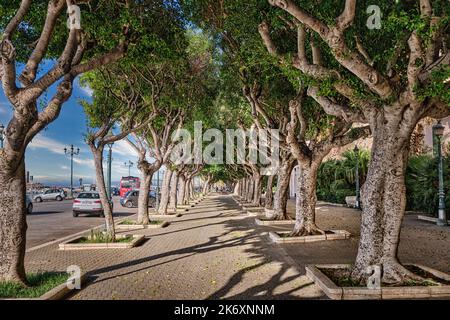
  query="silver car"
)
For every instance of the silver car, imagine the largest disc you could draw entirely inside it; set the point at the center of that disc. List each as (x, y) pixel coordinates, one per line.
(87, 202)
(50, 194)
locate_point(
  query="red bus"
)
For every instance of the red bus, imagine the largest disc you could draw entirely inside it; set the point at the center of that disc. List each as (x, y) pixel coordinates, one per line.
(128, 184)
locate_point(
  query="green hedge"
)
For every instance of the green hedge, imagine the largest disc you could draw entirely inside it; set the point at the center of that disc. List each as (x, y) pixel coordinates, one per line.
(336, 180)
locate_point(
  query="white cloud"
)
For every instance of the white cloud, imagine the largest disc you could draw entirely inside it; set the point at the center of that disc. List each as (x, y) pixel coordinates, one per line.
(123, 148)
(85, 89)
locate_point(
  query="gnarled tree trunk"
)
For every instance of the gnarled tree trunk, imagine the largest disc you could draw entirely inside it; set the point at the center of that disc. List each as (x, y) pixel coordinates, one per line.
(13, 223)
(181, 185)
(164, 203)
(100, 178)
(143, 199)
(173, 192)
(383, 200)
(268, 197)
(282, 191)
(305, 204)
(256, 201)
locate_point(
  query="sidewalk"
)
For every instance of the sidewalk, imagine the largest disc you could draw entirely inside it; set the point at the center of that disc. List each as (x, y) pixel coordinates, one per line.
(208, 253)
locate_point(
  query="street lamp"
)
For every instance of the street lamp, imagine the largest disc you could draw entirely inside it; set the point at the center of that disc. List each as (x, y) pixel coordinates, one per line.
(108, 191)
(2, 136)
(358, 200)
(72, 153)
(438, 130)
(129, 164)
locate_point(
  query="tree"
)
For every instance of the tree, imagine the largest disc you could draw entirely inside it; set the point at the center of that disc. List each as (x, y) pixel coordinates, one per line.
(31, 34)
(390, 78)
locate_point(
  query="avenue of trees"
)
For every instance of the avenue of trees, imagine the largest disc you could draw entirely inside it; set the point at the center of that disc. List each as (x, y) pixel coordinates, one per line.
(314, 71)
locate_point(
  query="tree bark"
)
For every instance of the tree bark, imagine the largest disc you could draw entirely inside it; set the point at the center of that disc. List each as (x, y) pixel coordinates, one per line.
(144, 190)
(100, 180)
(164, 203)
(256, 201)
(383, 201)
(250, 190)
(282, 191)
(269, 194)
(186, 191)
(173, 191)
(305, 204)
(181, 185)
(13, 223)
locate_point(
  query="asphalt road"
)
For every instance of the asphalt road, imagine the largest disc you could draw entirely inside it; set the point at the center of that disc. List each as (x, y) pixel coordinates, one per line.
(53, 220)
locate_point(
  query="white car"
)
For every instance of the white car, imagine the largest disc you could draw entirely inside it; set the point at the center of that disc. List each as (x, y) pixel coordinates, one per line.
(50, 194)
(87, 202)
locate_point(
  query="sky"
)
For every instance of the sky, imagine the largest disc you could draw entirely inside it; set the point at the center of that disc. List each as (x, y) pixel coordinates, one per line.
(45, 158)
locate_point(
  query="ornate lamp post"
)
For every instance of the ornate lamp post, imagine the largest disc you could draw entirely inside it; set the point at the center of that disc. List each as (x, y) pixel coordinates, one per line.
(2, 135)
(438, 130)
(358, 199)
(72, 153)
(129, 164)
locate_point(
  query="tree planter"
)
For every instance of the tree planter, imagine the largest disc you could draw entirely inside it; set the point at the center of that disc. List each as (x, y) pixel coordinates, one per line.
(128, 227)
(283, 237)
(333, 291)
(57, 293)
(164, 216)
(262, 221)
(429, 218)
(73, 244)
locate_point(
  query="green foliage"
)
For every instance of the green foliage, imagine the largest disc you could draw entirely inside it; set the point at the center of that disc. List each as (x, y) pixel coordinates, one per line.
(422, 183)
(336, 179)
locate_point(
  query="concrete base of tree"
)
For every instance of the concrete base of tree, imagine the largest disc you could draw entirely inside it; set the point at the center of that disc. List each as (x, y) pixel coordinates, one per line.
(362, 293)
(57, 293)
(164, 216)
(281, 237)
(72, 244)
(429, 218)
(130, 227)
(265, 222)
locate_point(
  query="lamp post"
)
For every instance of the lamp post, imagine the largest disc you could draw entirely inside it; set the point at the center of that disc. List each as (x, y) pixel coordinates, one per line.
(108, 176)
(358, 200)
(2, 136)
(157, 191)
(72, 153)
(438, 130)
(129, 164)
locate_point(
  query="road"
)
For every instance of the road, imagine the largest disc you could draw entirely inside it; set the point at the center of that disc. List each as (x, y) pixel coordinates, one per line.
(53, 220)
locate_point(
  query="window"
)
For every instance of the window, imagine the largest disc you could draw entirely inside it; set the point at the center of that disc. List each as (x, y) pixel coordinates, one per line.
(88, 196)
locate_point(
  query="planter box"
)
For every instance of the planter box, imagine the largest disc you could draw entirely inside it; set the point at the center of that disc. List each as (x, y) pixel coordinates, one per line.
(129, 227)
(72, 245)
(336, 235)
(262, 222)
(57, 293)
(164, 216)
(429, 218)
(362, 293)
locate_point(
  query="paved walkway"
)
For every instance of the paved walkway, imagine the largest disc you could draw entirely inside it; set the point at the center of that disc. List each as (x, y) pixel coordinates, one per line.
(215, 251)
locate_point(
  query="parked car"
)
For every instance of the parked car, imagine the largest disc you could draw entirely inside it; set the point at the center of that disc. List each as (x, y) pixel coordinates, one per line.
(29, 204)
(87, 202)
(50, 194)
(130, 199)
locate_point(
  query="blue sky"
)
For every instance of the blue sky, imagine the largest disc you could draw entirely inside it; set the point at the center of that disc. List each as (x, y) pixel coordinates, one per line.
(45, 158)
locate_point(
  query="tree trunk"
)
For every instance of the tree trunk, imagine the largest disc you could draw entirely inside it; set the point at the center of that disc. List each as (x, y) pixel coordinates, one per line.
(100, 178)
(186, 191)
(13, 225)
(383, 202)
(250, 190)
(181, 185)
(144, 190)
(282, 191)
(206, 186)
(269, 194)
(164, 203)
(305, 204)
(173, 191)
(257, 189)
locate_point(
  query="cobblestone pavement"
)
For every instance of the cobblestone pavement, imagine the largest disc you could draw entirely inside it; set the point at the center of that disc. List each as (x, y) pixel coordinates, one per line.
(214, 251)
(208, 253)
